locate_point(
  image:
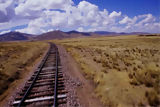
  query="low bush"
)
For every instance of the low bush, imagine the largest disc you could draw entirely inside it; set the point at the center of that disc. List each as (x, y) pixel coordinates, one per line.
(153, 98)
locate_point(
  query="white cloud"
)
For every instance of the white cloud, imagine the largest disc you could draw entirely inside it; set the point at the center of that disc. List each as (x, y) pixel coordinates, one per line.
(114, 14)
(141, 23)
(125, 20)
(32, 30)
(4, 5)
(6, 10)
(35, 27)
(49, 30)
(3, 32)
(74, 17)
(44, 15)
(13, 23)
(34, 8)
(147, 18)
(80, 29)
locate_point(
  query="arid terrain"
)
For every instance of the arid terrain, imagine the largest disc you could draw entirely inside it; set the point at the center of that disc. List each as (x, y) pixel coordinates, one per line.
(110, 71)
(79, 53)
(125, 69)
(16, 58)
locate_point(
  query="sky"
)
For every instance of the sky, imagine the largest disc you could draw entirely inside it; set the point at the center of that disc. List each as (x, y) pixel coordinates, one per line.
(40, 16)
(128, 7)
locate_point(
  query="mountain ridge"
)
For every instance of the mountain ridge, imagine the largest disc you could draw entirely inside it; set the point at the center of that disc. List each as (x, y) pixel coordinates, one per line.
(57, 34)
(14, 36)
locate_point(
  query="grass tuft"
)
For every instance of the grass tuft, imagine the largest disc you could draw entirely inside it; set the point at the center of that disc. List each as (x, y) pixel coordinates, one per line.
(123, 68)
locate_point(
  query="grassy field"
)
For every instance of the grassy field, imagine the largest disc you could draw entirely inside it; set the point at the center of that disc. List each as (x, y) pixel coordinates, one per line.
(125, 69)
(15, 57)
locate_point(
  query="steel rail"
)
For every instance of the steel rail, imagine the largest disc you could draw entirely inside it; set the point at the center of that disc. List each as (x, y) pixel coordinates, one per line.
(56, 78)
(30, 87)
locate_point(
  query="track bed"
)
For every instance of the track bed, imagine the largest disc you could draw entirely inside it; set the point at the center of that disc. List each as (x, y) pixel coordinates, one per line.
(46, 85)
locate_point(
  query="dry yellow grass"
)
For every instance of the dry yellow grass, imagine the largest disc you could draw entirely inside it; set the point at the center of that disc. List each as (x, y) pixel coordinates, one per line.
(125, 69)
(15, 57)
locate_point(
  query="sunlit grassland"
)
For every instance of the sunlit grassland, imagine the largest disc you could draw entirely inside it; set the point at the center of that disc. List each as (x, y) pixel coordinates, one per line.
(125, 69)
(15, 57)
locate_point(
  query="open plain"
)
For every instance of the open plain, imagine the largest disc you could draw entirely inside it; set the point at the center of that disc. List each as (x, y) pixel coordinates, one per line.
(115, 71)
(125, 70)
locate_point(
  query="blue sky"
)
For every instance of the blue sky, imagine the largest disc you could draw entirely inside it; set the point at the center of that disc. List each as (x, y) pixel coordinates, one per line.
(39, 16)
(129, 7)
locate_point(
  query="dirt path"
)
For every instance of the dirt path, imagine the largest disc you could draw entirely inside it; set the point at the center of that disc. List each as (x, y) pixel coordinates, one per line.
(84, 89)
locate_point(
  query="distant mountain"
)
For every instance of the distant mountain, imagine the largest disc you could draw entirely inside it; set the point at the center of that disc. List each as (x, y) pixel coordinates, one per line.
(14, 36)
(60, 35)
(139, 33)
(51, 35)
(17, 36)
(80, 33)
(115, 33)
(104, 33)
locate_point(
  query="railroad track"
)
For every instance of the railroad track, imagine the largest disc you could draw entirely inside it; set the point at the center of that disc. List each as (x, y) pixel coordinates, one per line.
(46, 85)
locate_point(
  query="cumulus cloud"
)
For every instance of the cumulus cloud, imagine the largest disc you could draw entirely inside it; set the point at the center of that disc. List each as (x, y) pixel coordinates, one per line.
(115, 14)
(6, 10)
(147, 18)
(141, 23)
(35, 26)
(34, 8)
(126, 20)
(43, 15)
(3, 32)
